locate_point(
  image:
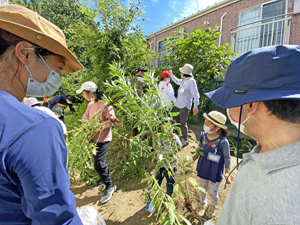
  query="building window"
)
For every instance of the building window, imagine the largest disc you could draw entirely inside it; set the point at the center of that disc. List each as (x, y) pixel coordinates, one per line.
(261, 26)
(162, 49)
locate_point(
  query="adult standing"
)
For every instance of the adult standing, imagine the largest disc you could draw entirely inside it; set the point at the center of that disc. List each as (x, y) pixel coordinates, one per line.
(34, 180)
(166, 90)
(138, 82)
(62, 101)
(261, 94)
(186, 93)
(102, 139)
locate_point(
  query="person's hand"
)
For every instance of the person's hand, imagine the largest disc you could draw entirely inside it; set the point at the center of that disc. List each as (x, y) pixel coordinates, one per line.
(154, 136)
(170, 72)
(160, 157)
(173, 136)
(195, 111)
(195, 157)
(229, 179)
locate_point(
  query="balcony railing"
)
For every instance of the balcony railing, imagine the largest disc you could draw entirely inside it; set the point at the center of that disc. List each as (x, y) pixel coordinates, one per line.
(267, 32)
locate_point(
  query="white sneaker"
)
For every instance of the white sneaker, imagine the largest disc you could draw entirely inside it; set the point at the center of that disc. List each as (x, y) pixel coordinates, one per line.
(211, 211)
(201, 209)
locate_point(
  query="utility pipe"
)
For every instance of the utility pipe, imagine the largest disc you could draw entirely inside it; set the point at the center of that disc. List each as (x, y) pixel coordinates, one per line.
(221, 28)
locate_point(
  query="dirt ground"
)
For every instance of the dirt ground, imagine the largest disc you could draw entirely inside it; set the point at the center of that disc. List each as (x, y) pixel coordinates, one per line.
(127, 205)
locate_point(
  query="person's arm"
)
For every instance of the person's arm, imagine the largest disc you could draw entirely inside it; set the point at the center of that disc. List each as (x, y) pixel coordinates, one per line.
(53, 102)
(171, 93)
(72, 108)
(38, 158)
(195, 93)
(227, 159)
(175, 79)
(110, 114)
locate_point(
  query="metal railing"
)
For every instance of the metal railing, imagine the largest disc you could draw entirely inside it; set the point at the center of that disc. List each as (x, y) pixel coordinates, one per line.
(266, 32)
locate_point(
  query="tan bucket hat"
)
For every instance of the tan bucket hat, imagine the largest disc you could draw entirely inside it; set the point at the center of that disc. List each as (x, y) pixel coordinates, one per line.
(217, 118)
(30, 26)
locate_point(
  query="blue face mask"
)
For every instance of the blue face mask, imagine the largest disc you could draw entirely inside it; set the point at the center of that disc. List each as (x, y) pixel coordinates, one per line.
(49, 87)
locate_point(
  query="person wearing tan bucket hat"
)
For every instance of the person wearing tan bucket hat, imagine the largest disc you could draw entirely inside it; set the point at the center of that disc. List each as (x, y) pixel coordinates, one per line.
(214, 154)
(34, 180)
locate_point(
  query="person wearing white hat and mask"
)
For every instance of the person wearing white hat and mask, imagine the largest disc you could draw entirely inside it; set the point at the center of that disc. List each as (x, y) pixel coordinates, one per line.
(34, 180)
(186, 93)
(102, 139)
(262, 97)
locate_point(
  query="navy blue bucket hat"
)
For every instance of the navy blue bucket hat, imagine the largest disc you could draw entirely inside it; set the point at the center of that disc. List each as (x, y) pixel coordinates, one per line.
(262, 74)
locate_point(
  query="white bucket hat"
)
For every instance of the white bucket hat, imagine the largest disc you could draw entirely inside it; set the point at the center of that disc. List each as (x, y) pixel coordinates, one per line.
(87, 86)
(187, 69)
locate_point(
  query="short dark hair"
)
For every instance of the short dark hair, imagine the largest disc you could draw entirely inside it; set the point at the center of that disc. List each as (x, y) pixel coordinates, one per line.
(286, 109)
(71, 98)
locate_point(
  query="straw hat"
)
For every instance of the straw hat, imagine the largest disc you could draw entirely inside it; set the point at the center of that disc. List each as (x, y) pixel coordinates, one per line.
(216, 118)
(32, 27)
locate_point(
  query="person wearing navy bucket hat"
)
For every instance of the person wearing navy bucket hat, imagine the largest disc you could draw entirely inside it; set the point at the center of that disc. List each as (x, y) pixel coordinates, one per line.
(262, 97)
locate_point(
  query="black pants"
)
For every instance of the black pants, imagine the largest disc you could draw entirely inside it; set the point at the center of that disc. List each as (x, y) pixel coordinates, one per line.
(182, 119)
(100, 163)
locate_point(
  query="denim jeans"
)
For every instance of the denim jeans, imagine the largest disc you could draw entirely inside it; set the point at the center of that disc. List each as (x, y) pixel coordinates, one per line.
(163, 172)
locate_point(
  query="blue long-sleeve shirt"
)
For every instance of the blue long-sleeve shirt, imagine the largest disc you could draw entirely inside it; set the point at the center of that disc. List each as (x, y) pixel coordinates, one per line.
(34, 181)
(186, 92)
(60, 99)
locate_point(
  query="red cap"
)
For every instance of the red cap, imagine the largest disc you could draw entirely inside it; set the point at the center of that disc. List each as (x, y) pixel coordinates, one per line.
(165, 74)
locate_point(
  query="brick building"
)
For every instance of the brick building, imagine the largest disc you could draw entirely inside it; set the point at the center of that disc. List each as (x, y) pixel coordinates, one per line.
(245, 24)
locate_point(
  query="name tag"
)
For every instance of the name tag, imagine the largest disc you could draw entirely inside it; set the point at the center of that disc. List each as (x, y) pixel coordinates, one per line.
(181, 90)
(213, 157)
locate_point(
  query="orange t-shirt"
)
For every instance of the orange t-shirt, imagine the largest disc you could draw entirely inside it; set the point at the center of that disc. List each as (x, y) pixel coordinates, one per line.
(108, 113)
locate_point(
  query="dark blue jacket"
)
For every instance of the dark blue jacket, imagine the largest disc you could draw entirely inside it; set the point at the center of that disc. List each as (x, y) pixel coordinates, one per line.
(60, 99)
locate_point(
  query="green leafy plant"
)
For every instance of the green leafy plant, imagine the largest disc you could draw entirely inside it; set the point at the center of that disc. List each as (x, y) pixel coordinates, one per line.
(199, 49)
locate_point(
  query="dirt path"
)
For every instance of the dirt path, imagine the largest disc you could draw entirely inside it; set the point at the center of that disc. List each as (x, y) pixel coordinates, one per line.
(127, 205)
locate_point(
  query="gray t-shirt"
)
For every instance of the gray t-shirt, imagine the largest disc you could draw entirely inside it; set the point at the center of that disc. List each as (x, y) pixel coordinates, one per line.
(265, 189)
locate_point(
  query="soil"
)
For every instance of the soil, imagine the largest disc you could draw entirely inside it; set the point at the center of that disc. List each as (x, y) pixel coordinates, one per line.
(127, 205)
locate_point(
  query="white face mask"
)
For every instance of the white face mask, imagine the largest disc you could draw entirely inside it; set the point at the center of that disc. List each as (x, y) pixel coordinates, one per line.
(168, 80)
(236, 124)
(49, 87)
(207, 130)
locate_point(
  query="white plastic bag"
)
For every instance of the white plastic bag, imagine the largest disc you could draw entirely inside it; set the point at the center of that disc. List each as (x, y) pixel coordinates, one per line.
(89, 216)
(208, 222)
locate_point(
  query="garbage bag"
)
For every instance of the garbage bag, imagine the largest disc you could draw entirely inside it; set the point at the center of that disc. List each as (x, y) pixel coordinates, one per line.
(208, 222)
(90, 216)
